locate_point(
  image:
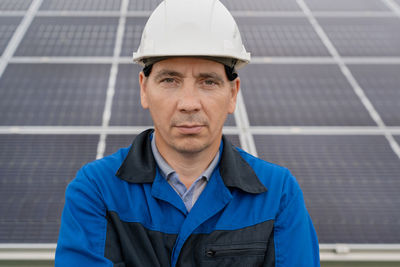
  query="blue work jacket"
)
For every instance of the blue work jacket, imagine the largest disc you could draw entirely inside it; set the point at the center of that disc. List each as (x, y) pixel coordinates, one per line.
(119, 211)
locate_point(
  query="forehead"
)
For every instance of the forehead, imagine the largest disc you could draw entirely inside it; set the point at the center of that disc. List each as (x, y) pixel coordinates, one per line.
(189, 64)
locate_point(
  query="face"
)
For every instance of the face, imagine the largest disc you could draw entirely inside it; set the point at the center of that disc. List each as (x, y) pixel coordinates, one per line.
(189, 100)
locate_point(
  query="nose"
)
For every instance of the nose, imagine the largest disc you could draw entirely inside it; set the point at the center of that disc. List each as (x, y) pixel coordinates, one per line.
(189, 99)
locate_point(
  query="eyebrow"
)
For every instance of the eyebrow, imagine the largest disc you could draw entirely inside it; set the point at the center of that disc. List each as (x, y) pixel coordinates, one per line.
(165, 72)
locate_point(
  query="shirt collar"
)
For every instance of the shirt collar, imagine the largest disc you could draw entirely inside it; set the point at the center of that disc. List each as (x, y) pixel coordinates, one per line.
(166, 170)
(140, 164)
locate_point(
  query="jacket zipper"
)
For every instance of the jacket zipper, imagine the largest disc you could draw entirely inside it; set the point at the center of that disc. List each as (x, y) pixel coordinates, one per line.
(217, 252)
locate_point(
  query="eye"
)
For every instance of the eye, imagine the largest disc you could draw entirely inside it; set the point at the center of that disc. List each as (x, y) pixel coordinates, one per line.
(168, 80)
(210, 82)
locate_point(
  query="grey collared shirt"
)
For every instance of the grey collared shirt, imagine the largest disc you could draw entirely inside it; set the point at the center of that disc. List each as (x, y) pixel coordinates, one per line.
(188, 196)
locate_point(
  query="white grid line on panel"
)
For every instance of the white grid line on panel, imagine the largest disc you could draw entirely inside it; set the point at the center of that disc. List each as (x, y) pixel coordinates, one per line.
(349, 76)
(243, 14)
(121, 130)
(12, 13)
(18, 35)
(393, 6)
(254, 60)
(113, 78)
(242, 122)
(323, 130)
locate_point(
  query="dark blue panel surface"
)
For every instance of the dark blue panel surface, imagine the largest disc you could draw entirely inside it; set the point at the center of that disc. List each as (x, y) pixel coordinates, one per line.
(35, 170)
(8, 25)
(14, 5)
(346, 5)
(67, 36)
(143, 5)
(381, 84)
(301, 95)
(81, 5)
(259, 5)
(350, 183)
(53, 94)
(364, 37)
(277, 37)
(132, 35)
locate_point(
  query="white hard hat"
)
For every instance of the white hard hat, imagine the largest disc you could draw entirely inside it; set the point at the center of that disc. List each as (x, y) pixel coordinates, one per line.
(203, 28)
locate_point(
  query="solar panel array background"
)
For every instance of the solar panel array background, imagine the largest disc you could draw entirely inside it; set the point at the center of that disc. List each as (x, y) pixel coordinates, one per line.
(350, 179)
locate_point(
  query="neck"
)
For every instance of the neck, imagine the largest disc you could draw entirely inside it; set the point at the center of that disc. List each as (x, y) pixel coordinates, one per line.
(188, 166)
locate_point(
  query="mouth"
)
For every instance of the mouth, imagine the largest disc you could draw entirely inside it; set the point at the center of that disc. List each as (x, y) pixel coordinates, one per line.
(189, 129)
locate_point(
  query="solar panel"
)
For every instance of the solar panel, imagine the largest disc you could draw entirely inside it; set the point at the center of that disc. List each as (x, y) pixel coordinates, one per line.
(133, 32)
(35, 170)
(67, 36)
(301, 95)
(143, 5)
(81, 5)
(381, 84)
(350, 183)
(7, 28)
(256, 5)
(346, 5)
(368, 37)
(14, 5)
(274, 37)
(53, 94)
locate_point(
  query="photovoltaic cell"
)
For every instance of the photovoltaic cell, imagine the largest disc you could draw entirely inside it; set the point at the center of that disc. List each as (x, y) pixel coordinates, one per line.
(14, 5)
(7, 28)
(346, 5)
(143, 5)
(132, 35)
(35, 170)
(126, 108)
(368, 37)
(350, 183)
(301, 95)
(257, 5)
(53, 94)
(81, 5)
(276, 37)
(67, 36)
(381, 84)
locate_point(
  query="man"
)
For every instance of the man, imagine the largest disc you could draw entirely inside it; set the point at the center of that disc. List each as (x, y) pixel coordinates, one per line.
(182, 195)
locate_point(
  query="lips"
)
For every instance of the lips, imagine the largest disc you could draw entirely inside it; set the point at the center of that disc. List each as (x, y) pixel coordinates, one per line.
(189, 129)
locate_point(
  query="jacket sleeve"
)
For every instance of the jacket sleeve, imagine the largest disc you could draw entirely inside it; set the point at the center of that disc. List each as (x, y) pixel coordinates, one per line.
(295, 239)
(83, 226)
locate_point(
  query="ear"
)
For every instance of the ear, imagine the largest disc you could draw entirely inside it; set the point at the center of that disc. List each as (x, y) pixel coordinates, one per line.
(143, 91)
(234, 92)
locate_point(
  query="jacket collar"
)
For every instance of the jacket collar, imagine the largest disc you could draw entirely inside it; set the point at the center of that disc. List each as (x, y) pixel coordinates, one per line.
(139, 166)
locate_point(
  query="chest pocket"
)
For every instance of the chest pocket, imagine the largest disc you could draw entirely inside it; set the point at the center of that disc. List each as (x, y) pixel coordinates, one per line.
(246, 254)
(252, 246)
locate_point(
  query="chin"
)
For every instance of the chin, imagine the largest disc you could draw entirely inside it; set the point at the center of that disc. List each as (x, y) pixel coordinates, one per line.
(190, 147)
